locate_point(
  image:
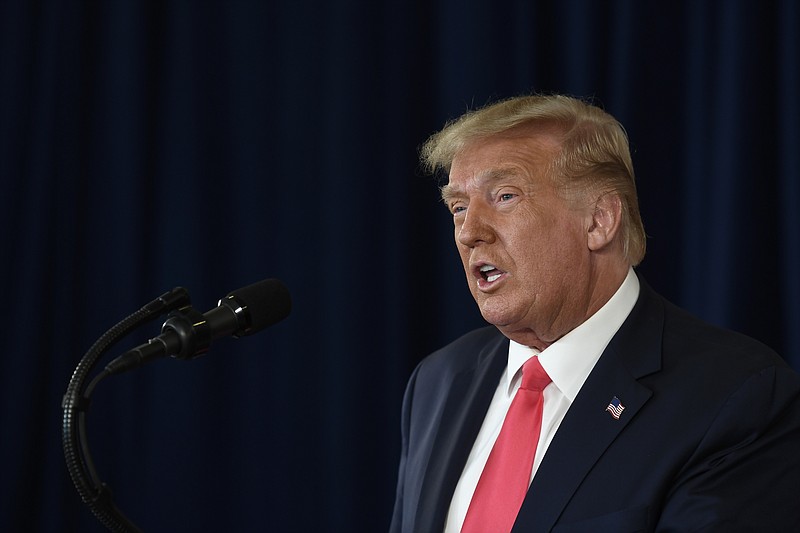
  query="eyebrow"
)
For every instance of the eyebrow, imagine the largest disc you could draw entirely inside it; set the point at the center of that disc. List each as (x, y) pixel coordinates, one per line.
(449, 192)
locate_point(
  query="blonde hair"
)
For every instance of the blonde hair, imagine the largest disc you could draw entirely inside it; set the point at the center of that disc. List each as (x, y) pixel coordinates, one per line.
(594, 152)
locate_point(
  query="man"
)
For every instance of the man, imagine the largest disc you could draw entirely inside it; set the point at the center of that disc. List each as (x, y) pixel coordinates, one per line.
(647, 419)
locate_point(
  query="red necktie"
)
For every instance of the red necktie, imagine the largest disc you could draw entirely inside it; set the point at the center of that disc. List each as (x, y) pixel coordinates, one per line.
(506, 476)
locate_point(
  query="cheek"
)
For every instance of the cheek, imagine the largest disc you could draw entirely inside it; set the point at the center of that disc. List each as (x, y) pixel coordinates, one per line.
(547, 250)
(463, 253)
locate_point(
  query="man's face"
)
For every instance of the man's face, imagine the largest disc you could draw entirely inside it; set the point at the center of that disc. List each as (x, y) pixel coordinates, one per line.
(523, 246)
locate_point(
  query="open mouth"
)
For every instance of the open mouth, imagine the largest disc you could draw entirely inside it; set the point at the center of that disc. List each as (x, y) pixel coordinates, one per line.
(490, 273)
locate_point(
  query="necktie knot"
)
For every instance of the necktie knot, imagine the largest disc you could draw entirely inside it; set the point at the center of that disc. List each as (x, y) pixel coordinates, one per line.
(534, 376)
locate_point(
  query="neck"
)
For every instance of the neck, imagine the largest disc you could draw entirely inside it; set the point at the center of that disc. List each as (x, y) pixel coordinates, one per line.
(599, 291)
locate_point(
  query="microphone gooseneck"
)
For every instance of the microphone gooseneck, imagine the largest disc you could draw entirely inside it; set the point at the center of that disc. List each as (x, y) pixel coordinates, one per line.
(185, 334)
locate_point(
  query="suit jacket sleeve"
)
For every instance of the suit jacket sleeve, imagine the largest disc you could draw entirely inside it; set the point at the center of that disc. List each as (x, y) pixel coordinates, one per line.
(397, 518)
(745, 473)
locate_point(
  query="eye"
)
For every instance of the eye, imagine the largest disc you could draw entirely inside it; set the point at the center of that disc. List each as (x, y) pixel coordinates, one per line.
(457, 208)
(506, 196)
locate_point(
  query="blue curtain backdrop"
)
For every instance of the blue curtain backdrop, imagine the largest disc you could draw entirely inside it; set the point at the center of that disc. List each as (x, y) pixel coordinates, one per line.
(146, 145)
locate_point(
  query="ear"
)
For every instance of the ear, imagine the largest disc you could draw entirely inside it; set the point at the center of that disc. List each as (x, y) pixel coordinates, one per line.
(605, 221)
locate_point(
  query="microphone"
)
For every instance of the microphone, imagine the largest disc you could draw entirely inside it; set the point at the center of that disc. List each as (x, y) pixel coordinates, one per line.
(187, 333)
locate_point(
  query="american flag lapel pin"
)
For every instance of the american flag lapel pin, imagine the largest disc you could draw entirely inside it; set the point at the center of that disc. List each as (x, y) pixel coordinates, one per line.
(615, 407)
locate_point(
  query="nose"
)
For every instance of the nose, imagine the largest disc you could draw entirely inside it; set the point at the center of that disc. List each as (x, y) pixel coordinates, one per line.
(475, 227)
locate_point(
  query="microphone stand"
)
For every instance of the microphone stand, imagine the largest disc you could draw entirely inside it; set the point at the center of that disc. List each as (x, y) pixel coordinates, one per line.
(92, 490)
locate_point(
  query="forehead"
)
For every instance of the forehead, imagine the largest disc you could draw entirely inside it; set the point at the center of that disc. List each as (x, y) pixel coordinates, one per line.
(502, 157)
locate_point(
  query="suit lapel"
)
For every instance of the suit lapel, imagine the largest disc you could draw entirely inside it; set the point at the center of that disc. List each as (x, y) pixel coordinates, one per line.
(468, 400)
(587, 429)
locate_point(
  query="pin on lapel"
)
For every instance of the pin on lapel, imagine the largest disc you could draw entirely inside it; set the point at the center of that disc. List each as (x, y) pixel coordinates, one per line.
(615, 407)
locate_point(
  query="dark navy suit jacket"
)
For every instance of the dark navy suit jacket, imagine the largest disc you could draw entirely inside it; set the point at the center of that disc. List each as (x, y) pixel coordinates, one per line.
(709, 439)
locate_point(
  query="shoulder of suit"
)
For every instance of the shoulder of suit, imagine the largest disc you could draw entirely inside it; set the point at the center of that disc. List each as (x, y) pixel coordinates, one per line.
(686, 332)
(466, 351)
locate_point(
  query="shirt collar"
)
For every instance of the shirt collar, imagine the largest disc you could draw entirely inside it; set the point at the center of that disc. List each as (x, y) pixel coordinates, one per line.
(570, 359)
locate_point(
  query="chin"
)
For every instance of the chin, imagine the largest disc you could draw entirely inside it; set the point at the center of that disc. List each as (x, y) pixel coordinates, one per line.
(495, 317)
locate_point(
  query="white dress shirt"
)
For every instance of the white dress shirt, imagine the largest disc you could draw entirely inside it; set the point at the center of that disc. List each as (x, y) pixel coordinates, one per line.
(568, 362)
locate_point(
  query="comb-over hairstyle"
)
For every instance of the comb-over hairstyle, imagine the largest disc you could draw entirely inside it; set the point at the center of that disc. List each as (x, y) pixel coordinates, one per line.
(594, 154)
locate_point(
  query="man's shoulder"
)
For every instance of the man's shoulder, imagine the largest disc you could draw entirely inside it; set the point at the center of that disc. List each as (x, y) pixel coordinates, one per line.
(688, 336)
(467, 351)
(684, 332)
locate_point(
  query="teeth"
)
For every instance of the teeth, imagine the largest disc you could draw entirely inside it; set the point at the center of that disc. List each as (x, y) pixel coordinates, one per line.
(485, 269)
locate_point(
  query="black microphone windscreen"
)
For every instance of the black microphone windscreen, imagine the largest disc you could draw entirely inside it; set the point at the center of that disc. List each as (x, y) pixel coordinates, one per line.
(268, 302)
